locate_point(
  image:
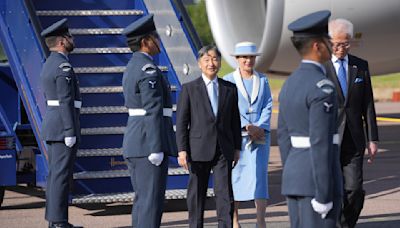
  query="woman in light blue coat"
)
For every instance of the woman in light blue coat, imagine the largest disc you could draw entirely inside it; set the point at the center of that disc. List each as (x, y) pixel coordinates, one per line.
(250, 175)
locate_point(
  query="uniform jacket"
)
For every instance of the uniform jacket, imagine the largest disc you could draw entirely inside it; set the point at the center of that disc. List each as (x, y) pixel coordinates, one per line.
(146, 88)
(59, 82)
(307, 107)
(198, 131)
(358, 108)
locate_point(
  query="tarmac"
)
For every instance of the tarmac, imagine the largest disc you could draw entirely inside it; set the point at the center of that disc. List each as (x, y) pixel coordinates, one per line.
(23, 206)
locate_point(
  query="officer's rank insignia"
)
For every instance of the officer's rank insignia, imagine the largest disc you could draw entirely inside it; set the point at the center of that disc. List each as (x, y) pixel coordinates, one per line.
(326, 86)
(327, 107)
(324, 82)
(149, 68)
(66, 67)
(152, 84)
(327, 90)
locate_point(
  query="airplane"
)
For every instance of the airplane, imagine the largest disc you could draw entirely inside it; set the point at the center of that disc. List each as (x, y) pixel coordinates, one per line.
(264, 22)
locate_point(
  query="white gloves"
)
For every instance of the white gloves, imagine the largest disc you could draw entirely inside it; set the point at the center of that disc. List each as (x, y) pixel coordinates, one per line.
(156, 158)
(321, 208)
(70, 141)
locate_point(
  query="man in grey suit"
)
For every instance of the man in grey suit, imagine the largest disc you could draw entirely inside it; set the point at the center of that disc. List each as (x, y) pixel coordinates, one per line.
(149, 136)
(357, 118)
(61, 127)
(208, 136)
(308, 143)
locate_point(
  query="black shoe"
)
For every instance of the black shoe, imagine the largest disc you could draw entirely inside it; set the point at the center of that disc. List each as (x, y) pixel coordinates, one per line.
(63, 225)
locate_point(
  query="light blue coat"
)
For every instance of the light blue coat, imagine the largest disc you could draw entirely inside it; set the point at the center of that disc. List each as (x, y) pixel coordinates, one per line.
(249, 177)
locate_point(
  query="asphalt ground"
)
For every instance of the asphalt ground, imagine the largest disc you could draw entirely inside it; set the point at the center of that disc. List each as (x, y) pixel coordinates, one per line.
(23, 206)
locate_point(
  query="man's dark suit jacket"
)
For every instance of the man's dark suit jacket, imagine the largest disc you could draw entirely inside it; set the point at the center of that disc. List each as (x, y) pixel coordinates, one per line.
(358, 108)
(197, 130)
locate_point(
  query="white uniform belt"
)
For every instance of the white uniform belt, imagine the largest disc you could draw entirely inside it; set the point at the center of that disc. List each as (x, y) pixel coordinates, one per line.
(304, 141)
(141, 112)
(77, 104)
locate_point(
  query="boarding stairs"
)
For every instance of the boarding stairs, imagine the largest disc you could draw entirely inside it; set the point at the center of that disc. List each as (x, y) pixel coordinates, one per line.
(99, 60)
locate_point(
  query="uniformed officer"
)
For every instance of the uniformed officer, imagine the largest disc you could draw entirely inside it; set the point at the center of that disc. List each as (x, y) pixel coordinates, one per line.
(149, 136)
(308, 143)
(61, 128)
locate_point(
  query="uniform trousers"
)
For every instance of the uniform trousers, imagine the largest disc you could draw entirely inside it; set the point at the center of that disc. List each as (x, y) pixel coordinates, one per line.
(149, 183)
(199, 173)
(59, 181)
(302, 215)
(352, 167)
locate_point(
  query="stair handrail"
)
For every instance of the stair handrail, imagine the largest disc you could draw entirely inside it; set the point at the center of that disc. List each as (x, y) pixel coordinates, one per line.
(26, 58)
(188, 25)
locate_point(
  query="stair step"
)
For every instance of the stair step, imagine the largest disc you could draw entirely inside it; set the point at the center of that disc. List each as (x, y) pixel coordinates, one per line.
(121, 173)
(110, 89)
(103, 131)
(89, 12)
(109, 109)
(101, 174)
(114, 50)
(107, 70)
(96, 31)
(129, 196)
(99, 152)
(104, 70)
(103, 110)
(102, 89)
(106, 130)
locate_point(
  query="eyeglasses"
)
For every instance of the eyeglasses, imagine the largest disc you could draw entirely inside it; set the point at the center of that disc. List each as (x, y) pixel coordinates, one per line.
(340, 45)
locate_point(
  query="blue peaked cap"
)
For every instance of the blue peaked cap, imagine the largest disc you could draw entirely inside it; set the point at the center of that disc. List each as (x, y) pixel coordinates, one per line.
(311, 25)
(140, 27)
(59, 28)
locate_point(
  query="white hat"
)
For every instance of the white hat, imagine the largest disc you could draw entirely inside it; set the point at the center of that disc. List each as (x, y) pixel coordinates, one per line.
(245, 49)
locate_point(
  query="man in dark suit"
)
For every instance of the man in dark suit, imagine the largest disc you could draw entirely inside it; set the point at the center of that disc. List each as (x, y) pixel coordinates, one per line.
(149, 135)
(308, 143)
(208, 136)
(61, 127)
(350, 75)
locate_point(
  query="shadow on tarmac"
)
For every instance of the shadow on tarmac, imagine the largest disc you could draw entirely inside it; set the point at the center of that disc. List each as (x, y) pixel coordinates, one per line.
(380, 179)
(379, 224)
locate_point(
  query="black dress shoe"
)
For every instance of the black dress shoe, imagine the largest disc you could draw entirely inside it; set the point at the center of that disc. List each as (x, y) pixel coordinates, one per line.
(63, 225)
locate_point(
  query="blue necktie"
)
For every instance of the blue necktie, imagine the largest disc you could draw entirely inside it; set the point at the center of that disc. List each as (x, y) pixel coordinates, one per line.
(342, 77)
(213, 94)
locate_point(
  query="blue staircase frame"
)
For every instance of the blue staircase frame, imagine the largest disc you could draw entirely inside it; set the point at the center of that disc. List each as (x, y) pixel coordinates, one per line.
(99, 60)
(23, 51)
